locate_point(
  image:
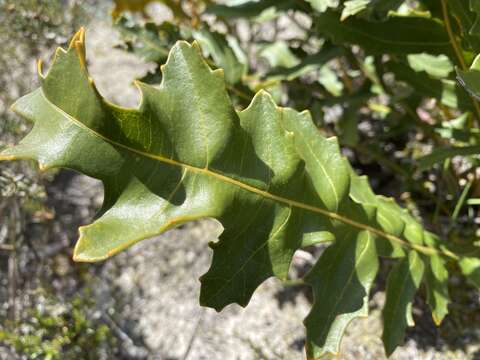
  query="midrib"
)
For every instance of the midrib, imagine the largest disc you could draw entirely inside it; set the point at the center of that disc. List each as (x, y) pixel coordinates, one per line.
(265, 194)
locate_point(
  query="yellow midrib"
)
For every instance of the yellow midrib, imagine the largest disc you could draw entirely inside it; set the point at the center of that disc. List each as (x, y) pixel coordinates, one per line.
(266, 194)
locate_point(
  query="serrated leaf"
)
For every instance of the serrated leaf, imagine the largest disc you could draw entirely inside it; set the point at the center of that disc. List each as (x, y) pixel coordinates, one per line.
(389, 215)
(402, 284)
(265, 173)
(341, 281)
(404, 35)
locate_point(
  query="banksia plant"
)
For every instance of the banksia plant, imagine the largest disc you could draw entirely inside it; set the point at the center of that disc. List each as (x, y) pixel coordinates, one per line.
(265, 173)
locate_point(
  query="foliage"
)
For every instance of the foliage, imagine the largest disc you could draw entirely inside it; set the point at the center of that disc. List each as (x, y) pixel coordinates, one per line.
(59, 331)
(380, 74)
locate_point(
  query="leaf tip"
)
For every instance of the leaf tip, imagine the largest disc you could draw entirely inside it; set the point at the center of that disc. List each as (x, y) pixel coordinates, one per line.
(78, 43)
(219, 72)
(437, 321)
(80, 252)
(263, 92)
(14, 107)
(195, 45)
(264, 96)
(40, 68)
(79, 37)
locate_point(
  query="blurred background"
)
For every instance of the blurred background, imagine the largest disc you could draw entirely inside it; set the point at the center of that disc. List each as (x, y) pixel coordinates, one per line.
(143, 303)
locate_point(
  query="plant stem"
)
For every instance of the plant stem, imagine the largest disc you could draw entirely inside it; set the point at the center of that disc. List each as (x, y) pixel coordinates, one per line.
(453, 41)
(461, 201)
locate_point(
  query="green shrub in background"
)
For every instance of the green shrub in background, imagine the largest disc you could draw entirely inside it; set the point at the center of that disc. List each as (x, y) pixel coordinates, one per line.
(382, 75)
(60, 331)
(53, 326)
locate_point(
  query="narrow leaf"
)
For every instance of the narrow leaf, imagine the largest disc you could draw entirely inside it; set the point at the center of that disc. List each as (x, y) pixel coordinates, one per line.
(440, 154)
(444, 90)
(247, 9)
(395, 35)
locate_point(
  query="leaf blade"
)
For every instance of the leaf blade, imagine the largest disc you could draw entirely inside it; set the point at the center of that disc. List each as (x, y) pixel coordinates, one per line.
(341, 280)
(402, 284)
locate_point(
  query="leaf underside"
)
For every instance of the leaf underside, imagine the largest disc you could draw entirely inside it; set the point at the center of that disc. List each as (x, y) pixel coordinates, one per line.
(265, 173)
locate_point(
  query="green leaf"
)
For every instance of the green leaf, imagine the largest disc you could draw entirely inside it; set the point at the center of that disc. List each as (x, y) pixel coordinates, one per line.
(436, 279)
(329, 79)
(437, 67)
(440, 154)
(458, 130)
(341, 281)
(348, 125)
(323, 5)
(445, 91)
(390, 216)
(353, 7)
(308, 64)
(470, 267)
(248, 9)
(404, 35)
(265, 173)
(470, 80)
(278, 54)
(402, 284)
